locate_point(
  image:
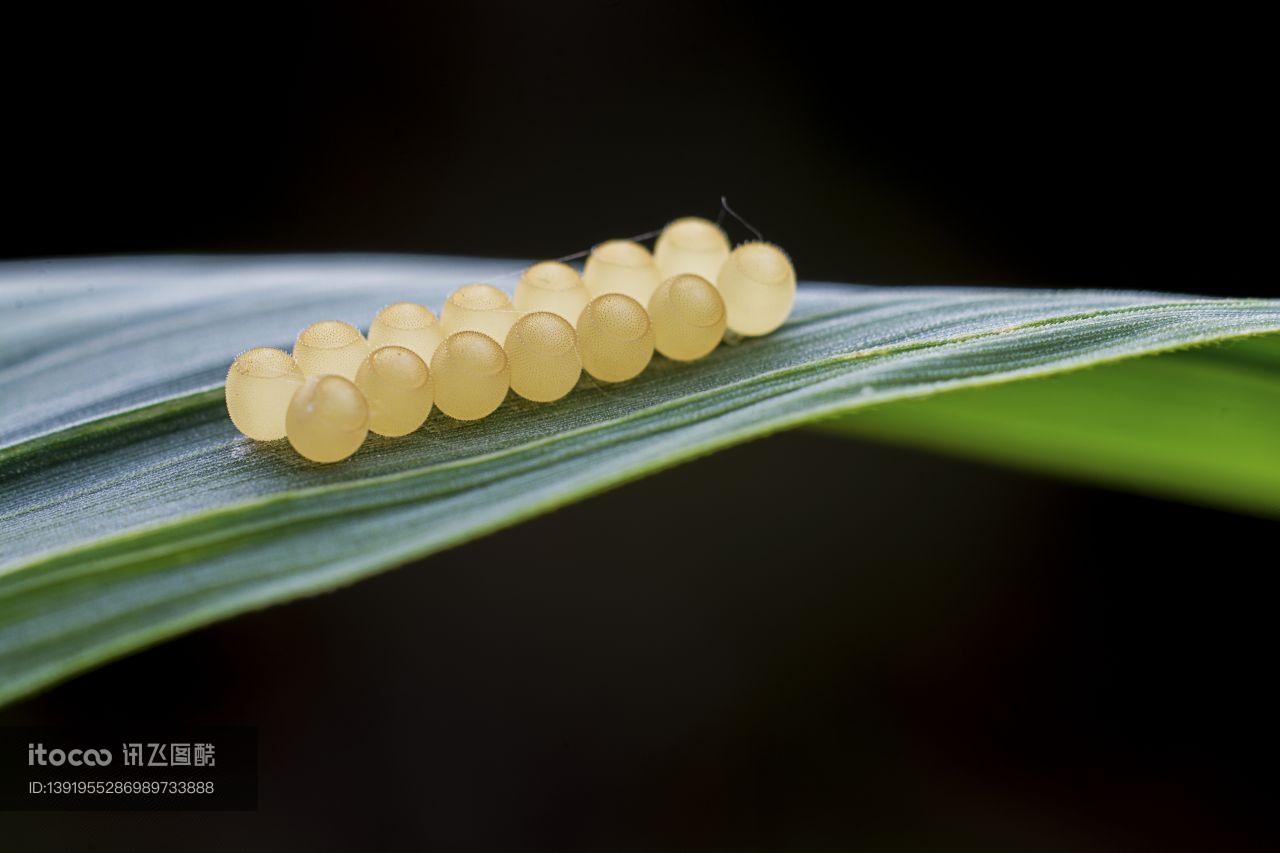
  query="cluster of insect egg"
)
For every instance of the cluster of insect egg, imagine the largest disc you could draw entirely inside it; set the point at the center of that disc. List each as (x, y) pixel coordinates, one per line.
(338, 385)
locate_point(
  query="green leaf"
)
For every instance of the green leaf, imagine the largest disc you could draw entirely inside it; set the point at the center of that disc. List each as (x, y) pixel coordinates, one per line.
(1201, 425)
(132, 511)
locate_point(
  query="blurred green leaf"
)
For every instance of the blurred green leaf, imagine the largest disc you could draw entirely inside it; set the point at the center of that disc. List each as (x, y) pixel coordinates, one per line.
(1200, 426)
(130, 510)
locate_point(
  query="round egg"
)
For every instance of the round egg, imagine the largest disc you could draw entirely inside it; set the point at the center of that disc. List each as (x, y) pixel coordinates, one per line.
(479, 308)
(615, 338)
(688, 317)
(542, 349)
(691, 245)
(471, 375)
(408, 325)
(552, 286)
(328, 419)
(397, 385)
(260, 384)
(330, 348)
(621, 266)
(758, 284)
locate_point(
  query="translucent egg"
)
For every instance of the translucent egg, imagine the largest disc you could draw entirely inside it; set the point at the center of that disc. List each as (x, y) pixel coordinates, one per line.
(615, 338)
(471, 376)
(691, 245)
(397, 385)
(408, 325)
(552, 286)
(479, 308)
(260, 384)
(328, 419)
(688, 317)
(758, 284)
(542, 349)
(330, 348)
(621, 266)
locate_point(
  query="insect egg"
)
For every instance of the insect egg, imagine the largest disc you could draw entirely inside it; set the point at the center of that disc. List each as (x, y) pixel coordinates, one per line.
(397, 385)
(330, 347)
(691, 245)
(471, 375)
(615, 337)
(479, 308)
(758, 284)
(621, 266)
(688, 317)
(542, 349)
(552, 286)
(260, 384)
(328, 419)
(408, 325)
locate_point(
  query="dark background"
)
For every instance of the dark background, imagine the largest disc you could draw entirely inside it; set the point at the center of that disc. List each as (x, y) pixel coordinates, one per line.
(889, 650)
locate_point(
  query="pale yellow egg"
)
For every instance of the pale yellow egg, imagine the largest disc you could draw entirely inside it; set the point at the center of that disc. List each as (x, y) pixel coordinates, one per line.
(552, 286)
(542, 349)
(479, 308)
(330, 348)
(260, 384)
(615, 338)
(471, 375)
(397, 385)
(688, 317)
(328, 419)
(758, 284)
(691, 245)
(621, 266)
(408, 325)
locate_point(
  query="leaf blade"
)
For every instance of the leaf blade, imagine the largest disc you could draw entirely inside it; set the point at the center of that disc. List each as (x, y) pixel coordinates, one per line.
(1199, 425)
(132, 511)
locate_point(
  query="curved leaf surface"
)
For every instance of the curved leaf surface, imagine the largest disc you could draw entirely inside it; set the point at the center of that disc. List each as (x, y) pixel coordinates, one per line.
(131, 510)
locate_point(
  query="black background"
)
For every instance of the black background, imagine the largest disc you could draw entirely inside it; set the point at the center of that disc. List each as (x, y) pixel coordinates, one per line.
(805, 643)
